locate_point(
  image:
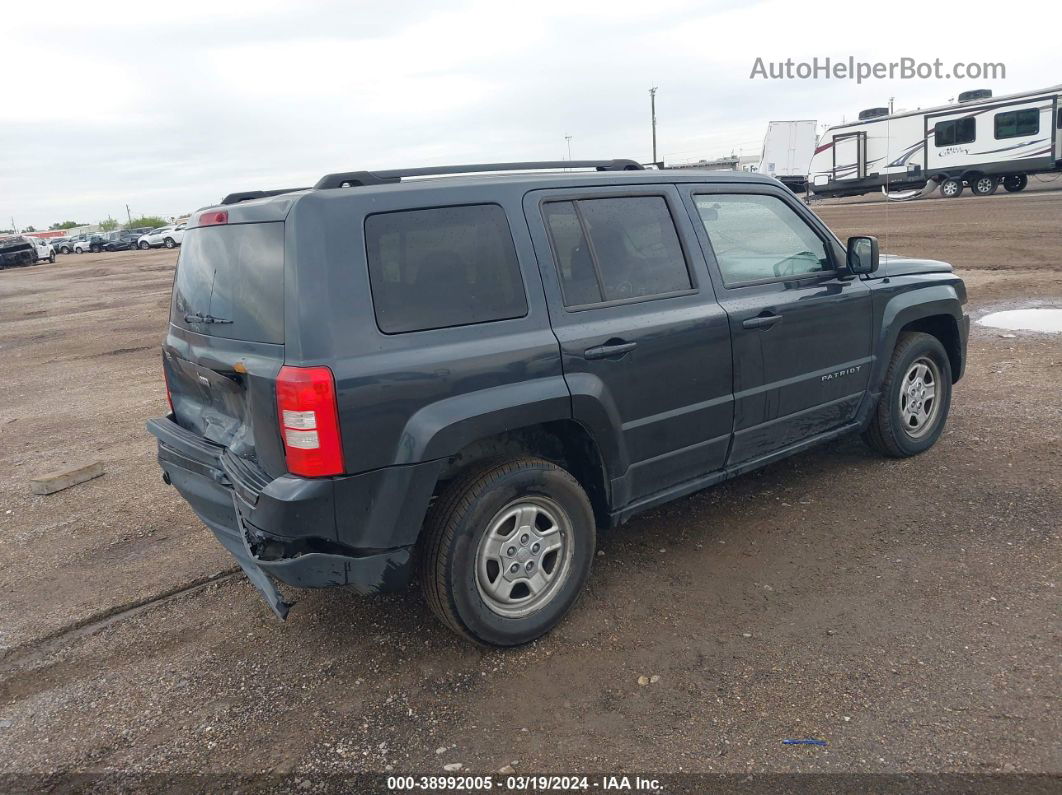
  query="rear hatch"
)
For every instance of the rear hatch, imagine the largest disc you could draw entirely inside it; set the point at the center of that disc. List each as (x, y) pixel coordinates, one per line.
(225, 344)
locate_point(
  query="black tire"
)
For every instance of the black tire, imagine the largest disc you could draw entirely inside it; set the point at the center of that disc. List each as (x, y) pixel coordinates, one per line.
(984, 185)
(951, 188)
(888, 433)
(169, 243)
(456, 525)
(64, 249)
(143, 245)
(51, 258)
(1015, 182)
(95, 249)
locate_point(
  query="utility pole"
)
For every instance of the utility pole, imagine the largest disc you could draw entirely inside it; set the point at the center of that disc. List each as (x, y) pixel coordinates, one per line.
(652, 110)
(128, 215)
(568, 138)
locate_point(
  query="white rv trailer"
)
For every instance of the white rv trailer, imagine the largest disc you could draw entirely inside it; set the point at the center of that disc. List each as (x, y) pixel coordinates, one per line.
(981, 142)
(787, 150)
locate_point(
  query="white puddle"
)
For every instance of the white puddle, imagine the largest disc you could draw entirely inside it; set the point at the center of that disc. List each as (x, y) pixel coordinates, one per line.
(1048, 321)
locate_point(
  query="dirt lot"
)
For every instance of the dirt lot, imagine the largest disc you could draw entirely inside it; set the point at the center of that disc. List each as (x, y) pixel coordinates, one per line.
(906, 612)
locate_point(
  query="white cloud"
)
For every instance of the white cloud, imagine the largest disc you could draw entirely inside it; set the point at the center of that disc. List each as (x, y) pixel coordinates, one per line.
(171, 108)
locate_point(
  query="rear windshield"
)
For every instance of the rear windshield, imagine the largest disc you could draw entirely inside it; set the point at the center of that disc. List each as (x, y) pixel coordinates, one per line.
(230, 282)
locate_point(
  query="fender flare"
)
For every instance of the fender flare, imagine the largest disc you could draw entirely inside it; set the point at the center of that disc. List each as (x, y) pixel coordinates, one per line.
(443, 428)
(906, 307)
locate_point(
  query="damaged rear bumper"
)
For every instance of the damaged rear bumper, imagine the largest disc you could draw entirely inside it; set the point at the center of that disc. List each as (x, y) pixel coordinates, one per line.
(228, 498)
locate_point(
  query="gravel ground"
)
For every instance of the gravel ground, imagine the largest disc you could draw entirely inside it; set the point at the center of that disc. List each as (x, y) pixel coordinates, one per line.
(904, 611)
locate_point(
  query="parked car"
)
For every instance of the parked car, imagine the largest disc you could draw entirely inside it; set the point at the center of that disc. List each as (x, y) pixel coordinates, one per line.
(121, 240)
(89, 243)
(168, 236)
(43, 249)
(467, 377)
(17, 250)
(61, 245)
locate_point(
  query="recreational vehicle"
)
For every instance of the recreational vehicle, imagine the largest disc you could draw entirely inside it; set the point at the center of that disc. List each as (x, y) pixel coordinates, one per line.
(980, 141)
(787, 151)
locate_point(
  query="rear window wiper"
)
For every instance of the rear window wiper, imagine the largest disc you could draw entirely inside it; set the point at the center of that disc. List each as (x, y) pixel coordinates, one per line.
(198, 317)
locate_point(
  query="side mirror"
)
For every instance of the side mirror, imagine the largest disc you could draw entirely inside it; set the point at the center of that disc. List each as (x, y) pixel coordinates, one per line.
(863, 254)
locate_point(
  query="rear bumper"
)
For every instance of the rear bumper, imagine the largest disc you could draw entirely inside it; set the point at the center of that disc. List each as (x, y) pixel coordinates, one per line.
(285, 529)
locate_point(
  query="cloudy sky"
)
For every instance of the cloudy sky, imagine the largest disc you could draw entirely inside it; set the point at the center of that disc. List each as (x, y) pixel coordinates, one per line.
(166, 107)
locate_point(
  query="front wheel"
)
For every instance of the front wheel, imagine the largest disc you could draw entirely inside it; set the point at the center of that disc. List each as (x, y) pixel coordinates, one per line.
(506, 551)
(51, 258)
(169, 243)
(143, 245)
(915, 398)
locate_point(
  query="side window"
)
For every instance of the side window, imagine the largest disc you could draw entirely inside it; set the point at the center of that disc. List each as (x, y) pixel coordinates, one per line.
(1017, 123)
(757, 238)
(633, 249)
(443, 267)
(1058, 122)
(956, 131)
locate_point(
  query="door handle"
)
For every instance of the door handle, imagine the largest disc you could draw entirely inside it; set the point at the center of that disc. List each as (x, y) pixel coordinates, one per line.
(761, 321)
(610, 349)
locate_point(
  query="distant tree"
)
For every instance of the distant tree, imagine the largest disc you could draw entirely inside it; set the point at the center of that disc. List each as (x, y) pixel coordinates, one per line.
(30, 229)
(7, 231)
(65, 225)
(146, 220)
(108, 224)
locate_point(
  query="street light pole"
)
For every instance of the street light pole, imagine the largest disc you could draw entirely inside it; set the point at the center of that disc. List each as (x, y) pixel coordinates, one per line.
(568, 138)
(652, 110)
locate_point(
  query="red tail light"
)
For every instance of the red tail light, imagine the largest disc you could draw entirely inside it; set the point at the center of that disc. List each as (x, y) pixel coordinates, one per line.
(213, 218)
(309, 421)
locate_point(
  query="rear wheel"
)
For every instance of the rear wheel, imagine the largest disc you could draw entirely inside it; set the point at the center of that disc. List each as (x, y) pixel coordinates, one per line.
(507, 549)
(951, 187)
(915, 398)
(1015, 183)
(984, 186)
(51, 258)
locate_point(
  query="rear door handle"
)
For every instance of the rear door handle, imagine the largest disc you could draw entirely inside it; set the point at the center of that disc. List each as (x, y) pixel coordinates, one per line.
(761, 321)
(610, 349)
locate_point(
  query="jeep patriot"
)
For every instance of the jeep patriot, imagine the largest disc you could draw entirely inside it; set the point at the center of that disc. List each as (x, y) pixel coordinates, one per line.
(462, 377)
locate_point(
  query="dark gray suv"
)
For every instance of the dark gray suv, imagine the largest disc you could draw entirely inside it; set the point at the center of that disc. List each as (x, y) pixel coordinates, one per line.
(467, 376)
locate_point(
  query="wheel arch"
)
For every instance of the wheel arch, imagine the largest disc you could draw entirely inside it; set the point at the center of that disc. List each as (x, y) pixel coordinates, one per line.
(564, 442)
(935, 310)
(946, 329)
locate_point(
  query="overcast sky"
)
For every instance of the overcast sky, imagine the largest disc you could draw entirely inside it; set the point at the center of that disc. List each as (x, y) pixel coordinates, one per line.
(167, 107)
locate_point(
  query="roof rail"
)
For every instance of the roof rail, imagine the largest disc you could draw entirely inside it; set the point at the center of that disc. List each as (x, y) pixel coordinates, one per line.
(355, 179)
(247, 195)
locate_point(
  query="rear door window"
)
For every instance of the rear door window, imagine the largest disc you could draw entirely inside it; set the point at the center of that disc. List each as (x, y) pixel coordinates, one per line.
(443, 267)
(230, 282)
